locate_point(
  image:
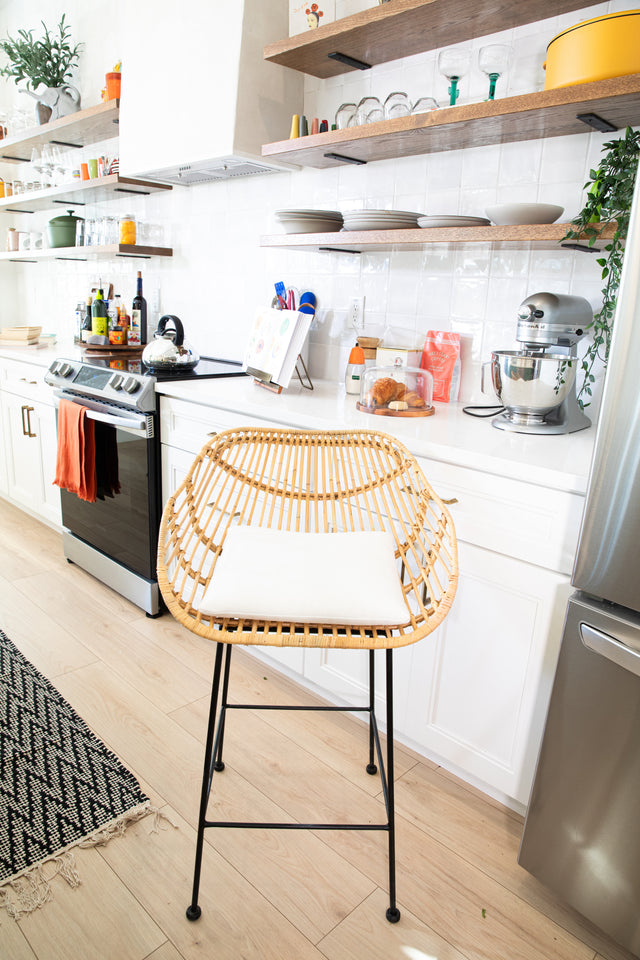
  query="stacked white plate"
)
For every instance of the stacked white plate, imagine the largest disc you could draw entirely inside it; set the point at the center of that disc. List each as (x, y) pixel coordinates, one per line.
(380, 220)
(446, 220)
(310, 221)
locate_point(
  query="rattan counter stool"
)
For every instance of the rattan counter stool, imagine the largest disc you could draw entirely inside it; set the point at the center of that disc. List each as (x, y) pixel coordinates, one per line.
(296, 495)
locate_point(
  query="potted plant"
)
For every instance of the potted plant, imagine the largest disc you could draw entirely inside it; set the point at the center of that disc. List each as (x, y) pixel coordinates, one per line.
(609, 195)
(48, 61)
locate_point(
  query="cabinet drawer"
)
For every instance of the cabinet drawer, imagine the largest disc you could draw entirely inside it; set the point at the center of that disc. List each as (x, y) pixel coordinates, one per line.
(514, 518)
(25, 380)
(188, 426)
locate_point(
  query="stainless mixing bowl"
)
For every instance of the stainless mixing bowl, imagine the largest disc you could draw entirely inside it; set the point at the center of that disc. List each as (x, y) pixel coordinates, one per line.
(531, 387)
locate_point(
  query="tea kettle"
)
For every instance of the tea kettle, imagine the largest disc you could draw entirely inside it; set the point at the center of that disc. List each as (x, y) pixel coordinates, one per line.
(168, 350)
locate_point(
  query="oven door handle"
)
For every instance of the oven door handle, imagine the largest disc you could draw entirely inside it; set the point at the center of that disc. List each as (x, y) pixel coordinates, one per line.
(136, 424)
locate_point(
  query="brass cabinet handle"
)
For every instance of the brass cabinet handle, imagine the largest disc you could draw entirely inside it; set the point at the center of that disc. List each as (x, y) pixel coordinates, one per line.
(26, 421)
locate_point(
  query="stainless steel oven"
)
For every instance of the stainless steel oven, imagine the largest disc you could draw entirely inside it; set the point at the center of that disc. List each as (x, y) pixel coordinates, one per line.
(116, 538)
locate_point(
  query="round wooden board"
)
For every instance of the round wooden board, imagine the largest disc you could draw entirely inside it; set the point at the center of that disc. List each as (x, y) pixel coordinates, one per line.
(385, 412)
(112, 347)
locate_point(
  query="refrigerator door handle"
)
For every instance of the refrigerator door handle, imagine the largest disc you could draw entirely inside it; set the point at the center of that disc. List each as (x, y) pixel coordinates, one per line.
(610, 648)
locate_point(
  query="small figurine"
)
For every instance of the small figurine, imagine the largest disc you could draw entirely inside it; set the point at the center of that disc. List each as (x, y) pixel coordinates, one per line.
(313, 16)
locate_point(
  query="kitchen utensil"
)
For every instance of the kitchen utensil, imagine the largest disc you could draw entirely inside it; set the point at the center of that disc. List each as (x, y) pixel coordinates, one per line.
(537, 384)
(493, 60)
(281, 294)
(168, 350)
(507, 214)
(62, 230)
(607, 46)
(307, 303)
(454, 64)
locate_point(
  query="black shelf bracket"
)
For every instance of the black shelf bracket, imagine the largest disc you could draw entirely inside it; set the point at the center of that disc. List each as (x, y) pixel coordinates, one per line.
(349, 61)
(63, 143)
(15, 159)
(343, 159)
(71, 203)
(15, 210)
(338, 250)
(580, 246)
(596, 123)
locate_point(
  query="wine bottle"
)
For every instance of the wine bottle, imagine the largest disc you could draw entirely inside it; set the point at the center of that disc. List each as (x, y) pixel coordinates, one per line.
(99, 324)
(139, 312)
(87, 326)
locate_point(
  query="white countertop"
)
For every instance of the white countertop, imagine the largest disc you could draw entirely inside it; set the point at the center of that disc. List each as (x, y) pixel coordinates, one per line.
(559, 462)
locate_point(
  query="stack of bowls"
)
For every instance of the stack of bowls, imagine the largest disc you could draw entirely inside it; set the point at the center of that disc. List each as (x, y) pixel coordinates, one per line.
(309, 221)
(380, 220)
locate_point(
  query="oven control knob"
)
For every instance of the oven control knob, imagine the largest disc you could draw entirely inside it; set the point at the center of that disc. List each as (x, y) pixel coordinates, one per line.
(55, 366)
(65, 369)
(116, 381)
(131, 385)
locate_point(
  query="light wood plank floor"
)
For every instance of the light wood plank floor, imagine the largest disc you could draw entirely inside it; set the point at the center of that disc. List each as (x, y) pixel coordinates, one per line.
(143, 685)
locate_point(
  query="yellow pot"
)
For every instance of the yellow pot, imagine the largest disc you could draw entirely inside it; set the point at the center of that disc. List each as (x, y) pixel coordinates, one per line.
(595, 49)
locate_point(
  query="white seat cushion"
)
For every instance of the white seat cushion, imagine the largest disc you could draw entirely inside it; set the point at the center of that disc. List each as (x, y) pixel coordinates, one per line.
(333, 578)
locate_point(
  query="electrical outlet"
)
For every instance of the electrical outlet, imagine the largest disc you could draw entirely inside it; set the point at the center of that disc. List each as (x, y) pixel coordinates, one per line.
(355, 313)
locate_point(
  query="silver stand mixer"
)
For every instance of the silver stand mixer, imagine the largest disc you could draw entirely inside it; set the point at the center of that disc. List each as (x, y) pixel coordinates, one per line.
(537, 385)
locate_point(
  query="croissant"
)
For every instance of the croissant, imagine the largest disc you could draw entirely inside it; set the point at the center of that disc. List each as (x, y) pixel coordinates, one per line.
(414, 399)
(384, 391)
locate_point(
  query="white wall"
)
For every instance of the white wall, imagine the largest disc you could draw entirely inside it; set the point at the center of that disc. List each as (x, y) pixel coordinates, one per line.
(219, 273)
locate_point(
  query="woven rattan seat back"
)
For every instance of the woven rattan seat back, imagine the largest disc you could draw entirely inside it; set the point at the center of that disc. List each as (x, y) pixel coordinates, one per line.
(312, 482)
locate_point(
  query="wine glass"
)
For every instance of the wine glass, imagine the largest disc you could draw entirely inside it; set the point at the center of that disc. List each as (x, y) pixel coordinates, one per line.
(47, 164)
(36, 166)
(493, 60)
(453, 64)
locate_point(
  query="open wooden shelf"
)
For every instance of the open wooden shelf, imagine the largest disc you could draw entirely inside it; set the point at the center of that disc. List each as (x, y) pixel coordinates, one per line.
(540, 236)
(88, 253)
(79, 193)
(76, 130)
(530, 116)
(403, 28)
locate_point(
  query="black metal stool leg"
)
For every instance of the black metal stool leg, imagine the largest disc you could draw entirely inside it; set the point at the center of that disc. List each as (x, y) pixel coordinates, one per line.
(371, 767)
(393, 914)
(218, 764)
(194, 911)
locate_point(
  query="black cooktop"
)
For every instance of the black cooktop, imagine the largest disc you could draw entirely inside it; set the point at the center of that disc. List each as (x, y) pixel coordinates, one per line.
(205, 369)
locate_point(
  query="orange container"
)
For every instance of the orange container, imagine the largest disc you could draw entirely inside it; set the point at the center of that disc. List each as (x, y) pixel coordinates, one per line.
(113, 86)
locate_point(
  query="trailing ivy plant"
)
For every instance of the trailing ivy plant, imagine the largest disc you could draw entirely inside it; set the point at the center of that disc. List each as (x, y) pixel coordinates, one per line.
(47, 60)
(609, 196)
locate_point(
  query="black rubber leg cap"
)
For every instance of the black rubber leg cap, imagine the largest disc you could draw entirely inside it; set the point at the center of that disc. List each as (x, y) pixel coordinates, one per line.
(218, 766)
(393, 914)
(372, 769)
(193, 913)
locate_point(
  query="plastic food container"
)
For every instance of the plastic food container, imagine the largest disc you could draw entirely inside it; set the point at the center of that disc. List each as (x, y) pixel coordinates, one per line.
(396, 392)
(607, 46)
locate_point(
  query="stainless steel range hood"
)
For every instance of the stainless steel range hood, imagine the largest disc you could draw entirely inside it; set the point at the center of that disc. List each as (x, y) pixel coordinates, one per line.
(198, 99)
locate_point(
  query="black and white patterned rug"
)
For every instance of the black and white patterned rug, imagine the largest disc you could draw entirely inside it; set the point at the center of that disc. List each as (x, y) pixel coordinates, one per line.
(59, 784)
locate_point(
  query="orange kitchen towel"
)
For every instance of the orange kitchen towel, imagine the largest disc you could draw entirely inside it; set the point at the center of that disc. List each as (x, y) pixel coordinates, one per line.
(76, 455)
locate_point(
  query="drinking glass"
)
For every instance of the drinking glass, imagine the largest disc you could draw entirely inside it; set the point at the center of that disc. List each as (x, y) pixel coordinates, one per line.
(46, 164)
(493, 60)
(344, 113)
(366, 106)
(424, 105)
(396, 105)
(454, 64)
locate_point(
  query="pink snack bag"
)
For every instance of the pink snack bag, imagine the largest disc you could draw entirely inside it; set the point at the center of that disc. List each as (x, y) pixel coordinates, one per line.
(441, 357)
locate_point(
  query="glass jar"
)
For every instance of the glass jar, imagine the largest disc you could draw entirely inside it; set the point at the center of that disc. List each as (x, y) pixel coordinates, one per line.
(128, 229)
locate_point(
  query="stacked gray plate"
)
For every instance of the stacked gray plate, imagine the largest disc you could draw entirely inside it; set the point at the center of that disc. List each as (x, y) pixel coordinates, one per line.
(449, 220)
(309, 221)
(380, 220)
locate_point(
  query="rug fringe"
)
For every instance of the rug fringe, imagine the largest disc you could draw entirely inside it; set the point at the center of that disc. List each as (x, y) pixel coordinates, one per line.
(31, 889)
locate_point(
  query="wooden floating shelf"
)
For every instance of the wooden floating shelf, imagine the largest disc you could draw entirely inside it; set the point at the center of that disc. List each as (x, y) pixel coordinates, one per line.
(404, 28)
(76, 130)
(540, 236)
(80, 193)
(88, 253)
(530, 116)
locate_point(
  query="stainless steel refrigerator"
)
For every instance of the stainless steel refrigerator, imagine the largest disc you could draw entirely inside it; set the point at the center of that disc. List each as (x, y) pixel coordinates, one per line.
(582, 832)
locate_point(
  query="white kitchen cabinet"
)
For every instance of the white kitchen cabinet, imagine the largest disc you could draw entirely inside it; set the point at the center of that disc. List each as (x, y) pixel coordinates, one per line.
(29, 427)
(473, 695)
